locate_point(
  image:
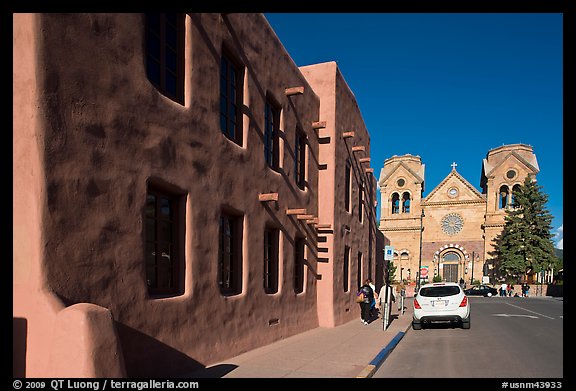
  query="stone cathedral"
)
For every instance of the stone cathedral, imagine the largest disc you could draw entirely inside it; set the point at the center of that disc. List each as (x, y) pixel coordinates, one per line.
(453, 227)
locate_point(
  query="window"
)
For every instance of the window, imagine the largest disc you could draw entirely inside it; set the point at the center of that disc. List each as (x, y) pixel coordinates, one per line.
(299, 265)
(503, 197)
(300, 159)
(515, 190)
(395, 203)
(271, 135)
(230, 99)
(358, 268)
(347, 190)
(230, 254)
(271, 260)
(162, 242)
(165, 53)
(406, 202)
(346, 270)
(360, 201)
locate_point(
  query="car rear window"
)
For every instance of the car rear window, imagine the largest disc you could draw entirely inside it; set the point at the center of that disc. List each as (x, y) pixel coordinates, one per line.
(439, 291)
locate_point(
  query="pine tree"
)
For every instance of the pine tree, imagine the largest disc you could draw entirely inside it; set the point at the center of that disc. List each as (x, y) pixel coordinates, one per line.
(525, 244)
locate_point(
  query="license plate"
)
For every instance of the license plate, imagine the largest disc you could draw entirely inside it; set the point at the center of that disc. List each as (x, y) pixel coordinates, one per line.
(439, 303)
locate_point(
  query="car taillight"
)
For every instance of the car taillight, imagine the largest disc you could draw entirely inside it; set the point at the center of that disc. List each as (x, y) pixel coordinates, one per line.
(464, 301)
(417, 305)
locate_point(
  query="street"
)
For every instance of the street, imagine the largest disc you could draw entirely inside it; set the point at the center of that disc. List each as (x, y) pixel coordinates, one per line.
(509, 338)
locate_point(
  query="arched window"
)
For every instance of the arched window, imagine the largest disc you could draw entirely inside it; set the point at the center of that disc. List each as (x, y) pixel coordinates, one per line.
(406, 202)
(515, 189)
(503, 197)
(395, 203)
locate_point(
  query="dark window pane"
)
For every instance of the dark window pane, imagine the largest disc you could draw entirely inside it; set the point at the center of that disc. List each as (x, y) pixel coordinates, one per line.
(150, 230)
(153, 72)
(165, 207)
(171, 37)
(171, 58)
(150, 205)
(154, 47)
(171, 85)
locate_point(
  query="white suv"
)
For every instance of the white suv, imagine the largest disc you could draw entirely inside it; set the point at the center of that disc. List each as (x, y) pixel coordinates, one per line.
(441, 302)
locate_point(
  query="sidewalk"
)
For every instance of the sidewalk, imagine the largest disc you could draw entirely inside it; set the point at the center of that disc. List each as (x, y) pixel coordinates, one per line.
(348, 351)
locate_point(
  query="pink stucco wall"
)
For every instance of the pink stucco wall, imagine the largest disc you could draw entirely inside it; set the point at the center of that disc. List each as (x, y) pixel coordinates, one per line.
(338, 107)
(91, 132)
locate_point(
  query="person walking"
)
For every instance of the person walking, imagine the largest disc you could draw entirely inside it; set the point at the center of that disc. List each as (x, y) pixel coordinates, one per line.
(503, 289)
(367, 294)
(525, 289)
(373, 305)
(401, 294)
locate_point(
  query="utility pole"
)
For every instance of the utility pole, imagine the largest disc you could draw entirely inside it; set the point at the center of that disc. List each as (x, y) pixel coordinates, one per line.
(420, 254)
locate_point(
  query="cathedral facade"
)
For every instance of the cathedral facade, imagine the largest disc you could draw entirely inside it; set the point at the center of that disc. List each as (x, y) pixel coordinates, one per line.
(450, 232)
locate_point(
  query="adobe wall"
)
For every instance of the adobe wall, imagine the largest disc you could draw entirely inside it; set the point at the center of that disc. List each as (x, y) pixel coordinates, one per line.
(338, 107)
(104, 131)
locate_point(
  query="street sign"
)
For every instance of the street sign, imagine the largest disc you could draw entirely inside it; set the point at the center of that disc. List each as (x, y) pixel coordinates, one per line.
(388, 253)
(424, 272)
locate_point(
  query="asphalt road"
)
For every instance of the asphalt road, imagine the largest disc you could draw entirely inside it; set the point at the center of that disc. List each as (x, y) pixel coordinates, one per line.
(509, 338)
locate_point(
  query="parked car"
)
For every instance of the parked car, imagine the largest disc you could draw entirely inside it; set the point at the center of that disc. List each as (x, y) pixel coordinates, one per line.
(441, 302)
(481, 290)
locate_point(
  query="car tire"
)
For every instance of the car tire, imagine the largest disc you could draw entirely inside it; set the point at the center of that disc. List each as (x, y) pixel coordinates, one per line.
(466, 324)
(416, 325)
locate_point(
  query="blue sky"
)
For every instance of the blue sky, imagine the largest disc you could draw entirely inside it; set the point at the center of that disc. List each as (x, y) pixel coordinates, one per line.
(447, 87)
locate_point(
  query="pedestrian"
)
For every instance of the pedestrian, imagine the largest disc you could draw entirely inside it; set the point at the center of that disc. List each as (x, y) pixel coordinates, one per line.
(365, 298)
(525, 289)
(508, 290)
(373, 305)
(383, 299)
(511, 291)
(503, 289)
(462, 283)
(401, 294)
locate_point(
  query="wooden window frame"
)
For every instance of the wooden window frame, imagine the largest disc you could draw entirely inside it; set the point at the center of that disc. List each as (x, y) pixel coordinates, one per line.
(300, 158)
(272, 134)
(231, 97)
(299, 248)
(346, 270)
(154, 240)
(348, 185)
(271, 259)
(164, 32)
(230, 254)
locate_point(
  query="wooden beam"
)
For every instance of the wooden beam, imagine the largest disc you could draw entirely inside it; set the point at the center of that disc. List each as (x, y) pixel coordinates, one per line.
(295, 211)
(324, 226)
(369, 170)
(348, 134)
(268, 197)
(312, 221)
(358, 148)
(319, 125)
(364, 160)
(294, 91)
(304, 217)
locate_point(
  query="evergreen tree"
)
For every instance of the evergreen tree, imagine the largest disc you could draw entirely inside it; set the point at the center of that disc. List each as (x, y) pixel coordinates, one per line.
(525, 244)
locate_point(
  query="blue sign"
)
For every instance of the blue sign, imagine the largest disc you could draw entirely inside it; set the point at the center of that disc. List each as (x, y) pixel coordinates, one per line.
(388, 253)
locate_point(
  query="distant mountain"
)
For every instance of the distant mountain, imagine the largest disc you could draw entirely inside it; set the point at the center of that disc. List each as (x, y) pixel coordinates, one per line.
(559, 253)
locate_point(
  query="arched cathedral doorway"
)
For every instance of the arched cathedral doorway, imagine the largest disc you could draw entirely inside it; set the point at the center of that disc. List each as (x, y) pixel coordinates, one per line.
(450, 262)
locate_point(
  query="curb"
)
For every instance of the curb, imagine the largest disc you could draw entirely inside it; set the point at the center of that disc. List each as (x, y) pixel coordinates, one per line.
(371, 368)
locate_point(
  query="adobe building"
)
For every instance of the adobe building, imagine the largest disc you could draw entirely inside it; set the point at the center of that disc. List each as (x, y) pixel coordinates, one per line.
(347, 191)
(454, 226)
(169, 207)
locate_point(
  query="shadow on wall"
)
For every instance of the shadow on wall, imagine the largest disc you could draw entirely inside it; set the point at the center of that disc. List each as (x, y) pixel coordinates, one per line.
(145, 356)
(19, 335)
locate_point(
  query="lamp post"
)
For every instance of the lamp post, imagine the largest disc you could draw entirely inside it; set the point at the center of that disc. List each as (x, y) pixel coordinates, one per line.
(420, 254)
